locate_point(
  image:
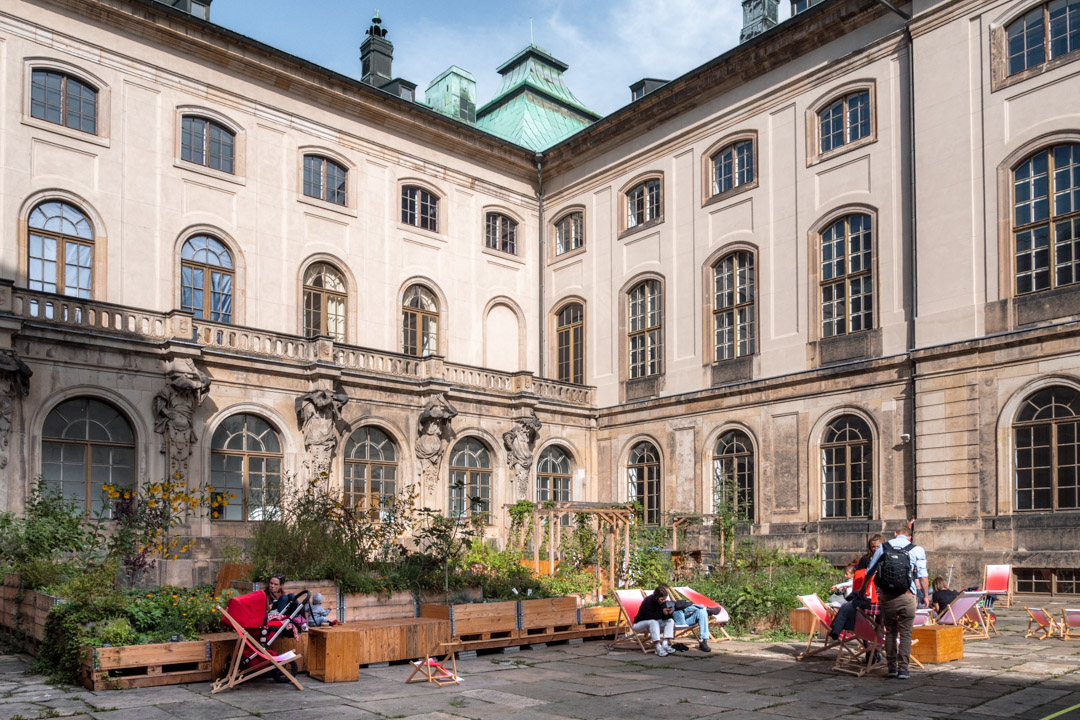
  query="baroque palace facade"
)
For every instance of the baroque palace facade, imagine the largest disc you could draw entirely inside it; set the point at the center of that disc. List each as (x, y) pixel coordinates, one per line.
(836, 269)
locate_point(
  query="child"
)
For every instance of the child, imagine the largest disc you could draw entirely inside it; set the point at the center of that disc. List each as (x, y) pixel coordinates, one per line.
(319, 615)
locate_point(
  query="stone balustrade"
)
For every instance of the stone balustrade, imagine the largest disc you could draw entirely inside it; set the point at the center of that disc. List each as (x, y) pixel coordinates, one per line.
(107, 319)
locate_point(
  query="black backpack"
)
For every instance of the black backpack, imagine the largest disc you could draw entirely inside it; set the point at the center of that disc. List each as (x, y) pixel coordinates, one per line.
(893, 573)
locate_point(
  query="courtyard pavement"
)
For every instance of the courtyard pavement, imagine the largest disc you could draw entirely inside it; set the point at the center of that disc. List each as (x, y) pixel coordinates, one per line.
(1006, 677)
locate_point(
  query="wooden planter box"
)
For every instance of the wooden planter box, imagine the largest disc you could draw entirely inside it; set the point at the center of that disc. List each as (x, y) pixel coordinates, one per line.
(23, 612)
(478, 625)
(937, 643)
(134, 666)
(368, 606)
(328, 588)
(336, 653)
(599, 621)
(548, 619)
(801, 620)
(229, 572)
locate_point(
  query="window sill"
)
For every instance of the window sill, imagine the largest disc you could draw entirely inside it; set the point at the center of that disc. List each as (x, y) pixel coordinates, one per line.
(733, 192)
(1002, 81)
(842, 150)
(422, 232)
(209, 172)
(559, 257)
(100, 140)
(735, 370)
(325, 205)
(643, 226)
(502, 255)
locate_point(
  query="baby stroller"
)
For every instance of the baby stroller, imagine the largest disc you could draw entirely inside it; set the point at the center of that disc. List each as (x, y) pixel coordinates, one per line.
(257, 630)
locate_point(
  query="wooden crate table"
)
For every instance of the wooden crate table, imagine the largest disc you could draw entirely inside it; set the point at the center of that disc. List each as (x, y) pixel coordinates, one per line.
(802, 621)
(335, 654)
(938, 643)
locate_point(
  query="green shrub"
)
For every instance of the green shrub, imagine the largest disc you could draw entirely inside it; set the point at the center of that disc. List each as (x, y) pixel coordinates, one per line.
(116, 631)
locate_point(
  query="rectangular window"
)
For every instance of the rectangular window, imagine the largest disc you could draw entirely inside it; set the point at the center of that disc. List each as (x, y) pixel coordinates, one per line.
(1047, 581)
(419, 208)
(569, 233)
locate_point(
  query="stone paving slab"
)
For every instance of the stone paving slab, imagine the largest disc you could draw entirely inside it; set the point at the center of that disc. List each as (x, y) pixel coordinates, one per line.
(1007, 676)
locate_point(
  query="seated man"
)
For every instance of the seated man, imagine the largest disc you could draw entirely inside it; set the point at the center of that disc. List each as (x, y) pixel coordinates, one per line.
(688, 613)
(655, 614)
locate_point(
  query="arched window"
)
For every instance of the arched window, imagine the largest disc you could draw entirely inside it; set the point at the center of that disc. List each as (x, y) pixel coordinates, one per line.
(553, 478)
(370, 472)
(643, 203)
(470, 480)
(733, 475)
(205, 142)
(733, 166)
(569, 233)
(61, 250)
(643, 476)
(324, 179)
(847, 277)
(847, 469)
(419, 322)
(1044, 33)
(87, 443)
(733, 306)
(62, 99)
(206, 279)
(245, 462)
(324, 302)
(1046, 218)
(1047, 439)
(570, 343)
(501, 233)
(419, 208)
(845, 120)
(645, 328)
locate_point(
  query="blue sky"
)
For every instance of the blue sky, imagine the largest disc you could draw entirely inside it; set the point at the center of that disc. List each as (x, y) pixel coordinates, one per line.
(608, 44)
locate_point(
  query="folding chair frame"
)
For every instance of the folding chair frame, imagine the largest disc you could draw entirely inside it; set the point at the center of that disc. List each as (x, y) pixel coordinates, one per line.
(238, 676)
(1051, 628)
(857, 659)
(433, 670)
(819, 627)
(975, 628)
(643, 640)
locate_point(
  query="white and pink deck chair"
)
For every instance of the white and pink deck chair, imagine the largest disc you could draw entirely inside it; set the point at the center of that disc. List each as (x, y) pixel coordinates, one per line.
(1070, 621)
(1039, 618)
(964, 612)
(719, 620)
(629, 604)
(823, 617)
(998, 581)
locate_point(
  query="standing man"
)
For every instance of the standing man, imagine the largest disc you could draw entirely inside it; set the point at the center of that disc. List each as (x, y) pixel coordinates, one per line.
(899, 571)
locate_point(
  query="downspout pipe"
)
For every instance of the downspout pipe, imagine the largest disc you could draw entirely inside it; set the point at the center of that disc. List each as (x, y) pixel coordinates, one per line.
(542, 264)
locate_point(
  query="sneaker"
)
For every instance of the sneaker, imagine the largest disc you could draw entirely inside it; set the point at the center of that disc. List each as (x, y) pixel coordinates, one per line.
(713, 610)
(892, 673)
(903, 675)
(661, 651)
(703, 646)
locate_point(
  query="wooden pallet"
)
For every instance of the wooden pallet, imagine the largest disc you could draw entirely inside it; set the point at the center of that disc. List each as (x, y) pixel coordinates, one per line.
(135, 666)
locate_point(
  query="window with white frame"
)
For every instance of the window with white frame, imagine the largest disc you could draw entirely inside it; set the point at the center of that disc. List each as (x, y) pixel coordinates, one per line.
(1046, 219)
(501, 233)
(643, 203)
(645, 329)
(844, 121)
(732, 167)
(60, 250)
(419, 208)
(1046, 32)
(847, 278)
(208, 143)
(324, 179)
(569, 233)
(733, 306)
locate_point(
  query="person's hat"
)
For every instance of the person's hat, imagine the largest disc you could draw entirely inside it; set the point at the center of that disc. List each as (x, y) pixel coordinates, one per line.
(668, 605)
(316, 599)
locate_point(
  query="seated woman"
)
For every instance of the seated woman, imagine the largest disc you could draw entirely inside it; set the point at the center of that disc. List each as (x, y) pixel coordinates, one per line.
(942, 596)
(654, 615)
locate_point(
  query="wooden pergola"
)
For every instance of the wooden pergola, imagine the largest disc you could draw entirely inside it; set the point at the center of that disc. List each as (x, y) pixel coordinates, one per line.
(612, 520)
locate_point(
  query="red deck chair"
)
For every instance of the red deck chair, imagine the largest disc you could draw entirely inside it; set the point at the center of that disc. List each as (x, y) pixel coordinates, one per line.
(863, 650)
(1070, 621)
(718, 620)
(998, 581)
(250, 659)
(629, 604)
(1048, 627)
(823, 617)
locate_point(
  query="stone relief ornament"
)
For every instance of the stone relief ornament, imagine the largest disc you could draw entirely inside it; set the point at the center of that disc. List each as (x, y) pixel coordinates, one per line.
(433, 427)
(318, 413)
(185, 388)
(14, 384)
(520, 441)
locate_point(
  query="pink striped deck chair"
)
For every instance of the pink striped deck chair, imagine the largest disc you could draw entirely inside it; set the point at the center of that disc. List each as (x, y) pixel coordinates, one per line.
(923, 617)
(1070, 621)
(1039, 618)
(719, 620)
(998, 581)
(823, 617)
(964, 611)
(863, 650)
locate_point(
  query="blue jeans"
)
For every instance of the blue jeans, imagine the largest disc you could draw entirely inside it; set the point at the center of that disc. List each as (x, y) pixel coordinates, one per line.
(691, 615)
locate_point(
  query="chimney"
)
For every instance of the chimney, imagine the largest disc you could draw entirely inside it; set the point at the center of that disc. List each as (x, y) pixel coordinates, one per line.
(376, 55)
(758, 16)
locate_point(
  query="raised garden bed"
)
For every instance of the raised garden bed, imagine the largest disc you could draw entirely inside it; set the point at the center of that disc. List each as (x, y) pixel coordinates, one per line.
(135, 666)
(546, 619)
(599, 621)
(23, 613)
(478, 625)
(373, 606)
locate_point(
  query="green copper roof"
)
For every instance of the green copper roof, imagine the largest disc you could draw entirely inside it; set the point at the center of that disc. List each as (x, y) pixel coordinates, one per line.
(533, 107)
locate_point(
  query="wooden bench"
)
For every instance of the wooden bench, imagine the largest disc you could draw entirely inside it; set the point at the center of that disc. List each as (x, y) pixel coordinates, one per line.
(335, 654)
